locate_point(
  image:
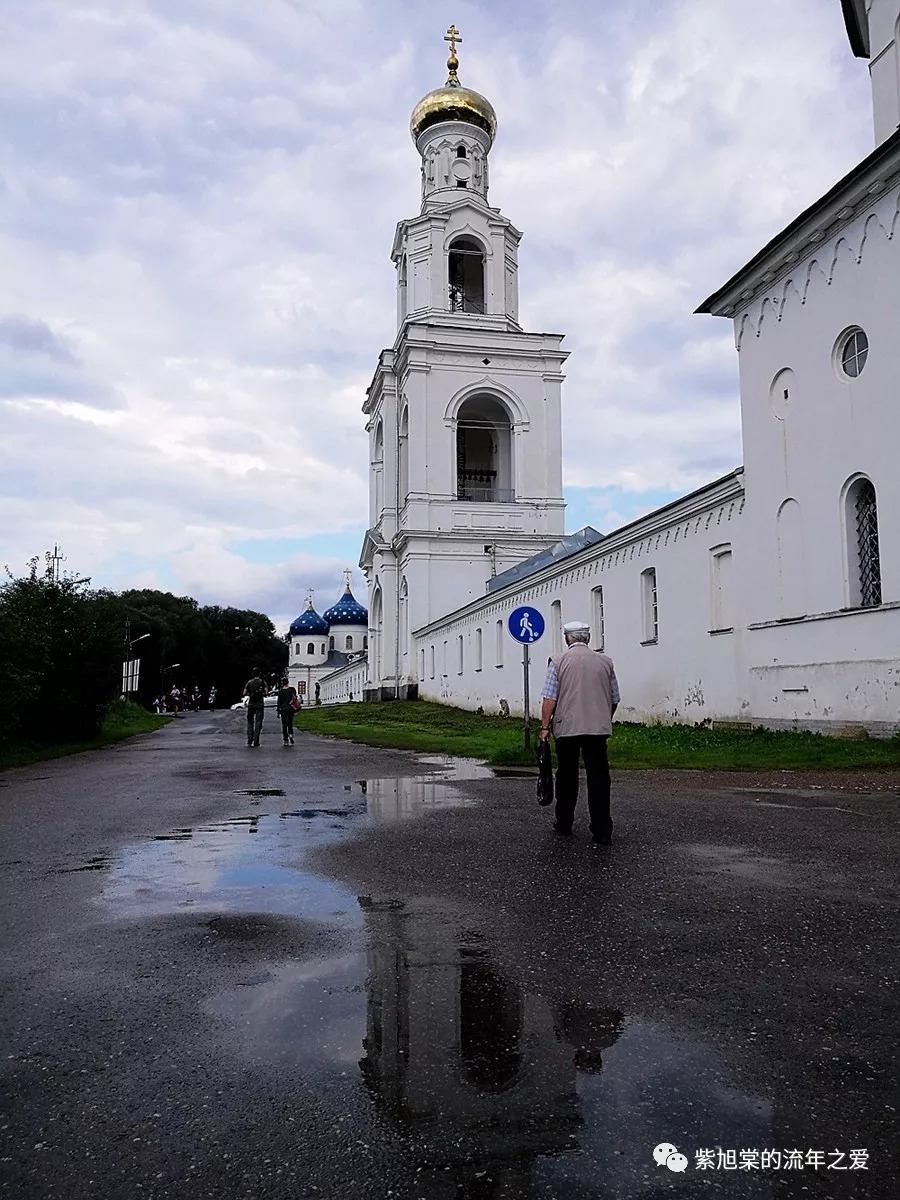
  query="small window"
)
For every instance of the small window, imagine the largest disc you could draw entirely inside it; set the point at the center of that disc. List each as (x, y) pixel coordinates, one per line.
(556, 628)
(310, 648)
(422, 658)
(323, 647)
(460, 152)
(478, 650)
(461, 183)
(598, 633)
(649, 606)
(296, 647)
(853, 350)
(365, 641)
(459, 655)
(348, 644)
(498, 646)
(432, 662)
(331, 642)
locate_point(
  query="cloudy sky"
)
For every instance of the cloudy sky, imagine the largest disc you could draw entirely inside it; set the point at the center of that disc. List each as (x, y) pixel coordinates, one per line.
(197, 202)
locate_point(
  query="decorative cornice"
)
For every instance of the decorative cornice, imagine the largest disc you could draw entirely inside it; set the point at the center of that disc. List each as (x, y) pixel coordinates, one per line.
(853, 194)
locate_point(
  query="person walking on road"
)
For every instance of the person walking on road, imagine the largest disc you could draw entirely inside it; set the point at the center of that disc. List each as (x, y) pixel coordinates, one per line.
(255, 691)
(579, 697)
(287, 706)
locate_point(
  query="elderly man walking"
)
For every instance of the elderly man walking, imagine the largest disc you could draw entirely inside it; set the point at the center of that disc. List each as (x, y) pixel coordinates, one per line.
(580, 695)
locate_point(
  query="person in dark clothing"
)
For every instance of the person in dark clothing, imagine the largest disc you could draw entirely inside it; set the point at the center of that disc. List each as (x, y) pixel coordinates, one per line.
(286, 698)
(255, 691)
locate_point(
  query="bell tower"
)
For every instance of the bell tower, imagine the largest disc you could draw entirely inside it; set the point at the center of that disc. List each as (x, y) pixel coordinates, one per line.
(464, 410)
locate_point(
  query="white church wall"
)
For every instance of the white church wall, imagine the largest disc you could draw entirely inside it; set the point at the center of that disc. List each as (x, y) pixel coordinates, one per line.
(801, 451)
(687, 673)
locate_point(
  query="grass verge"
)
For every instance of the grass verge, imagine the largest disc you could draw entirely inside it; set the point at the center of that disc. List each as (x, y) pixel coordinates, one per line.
(123, 720)
(438, 729)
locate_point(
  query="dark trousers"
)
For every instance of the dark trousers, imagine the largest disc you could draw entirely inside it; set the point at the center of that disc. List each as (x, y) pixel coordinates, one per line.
(596, 765)
(287, 723)
(254, 724)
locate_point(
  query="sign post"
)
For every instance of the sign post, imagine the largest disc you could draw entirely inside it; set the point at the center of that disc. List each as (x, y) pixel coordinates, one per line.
(526, 625)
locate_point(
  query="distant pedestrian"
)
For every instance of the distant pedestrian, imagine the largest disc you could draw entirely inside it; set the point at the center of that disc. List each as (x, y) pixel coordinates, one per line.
(158, 705)
(255, 691)
(212, 697)
(580, 696)
(287, 706)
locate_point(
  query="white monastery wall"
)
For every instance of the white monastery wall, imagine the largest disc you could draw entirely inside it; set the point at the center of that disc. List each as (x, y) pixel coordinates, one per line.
(687, 672)
(345, 684)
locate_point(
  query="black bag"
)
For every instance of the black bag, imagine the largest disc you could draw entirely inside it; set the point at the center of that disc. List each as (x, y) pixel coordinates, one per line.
(545, 774)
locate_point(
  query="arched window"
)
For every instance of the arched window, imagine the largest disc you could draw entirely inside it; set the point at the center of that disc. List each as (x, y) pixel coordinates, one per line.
(466, 271)
(323, 647)
(404, 617)
(348, 643)
(331, 642)
(365, 641)
(791, 559)
(310, 648)
(404, 457)
(863, 554)
(484, 466)
(378, 471)
(296, 647)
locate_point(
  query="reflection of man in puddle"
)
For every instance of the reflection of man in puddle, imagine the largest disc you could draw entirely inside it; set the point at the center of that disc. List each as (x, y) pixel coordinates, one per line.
(589, 1031)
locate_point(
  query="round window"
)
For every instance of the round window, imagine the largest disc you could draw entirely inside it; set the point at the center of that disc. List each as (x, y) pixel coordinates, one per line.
(853, 350)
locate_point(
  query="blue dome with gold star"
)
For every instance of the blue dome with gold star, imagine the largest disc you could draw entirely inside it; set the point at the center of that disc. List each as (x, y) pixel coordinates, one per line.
(347, 611)
(309, 621)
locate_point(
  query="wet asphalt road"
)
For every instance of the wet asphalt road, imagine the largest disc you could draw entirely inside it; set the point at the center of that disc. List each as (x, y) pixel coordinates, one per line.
(340, 972)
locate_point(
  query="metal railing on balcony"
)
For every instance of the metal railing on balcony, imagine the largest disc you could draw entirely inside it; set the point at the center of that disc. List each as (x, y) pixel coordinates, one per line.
(481, 487)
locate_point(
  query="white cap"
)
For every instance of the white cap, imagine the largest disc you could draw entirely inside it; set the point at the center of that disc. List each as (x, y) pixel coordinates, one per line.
(576, 627)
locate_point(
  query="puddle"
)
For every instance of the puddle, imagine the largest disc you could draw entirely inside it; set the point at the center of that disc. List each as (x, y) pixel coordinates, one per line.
(397, 1011)
(497, 1091)
(260, 792)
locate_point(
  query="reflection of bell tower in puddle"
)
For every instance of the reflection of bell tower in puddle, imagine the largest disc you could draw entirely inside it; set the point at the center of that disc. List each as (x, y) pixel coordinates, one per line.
(482, 1073)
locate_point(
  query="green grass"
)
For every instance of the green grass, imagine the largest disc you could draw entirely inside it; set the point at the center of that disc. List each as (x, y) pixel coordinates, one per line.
(123, 720)
(438, 729)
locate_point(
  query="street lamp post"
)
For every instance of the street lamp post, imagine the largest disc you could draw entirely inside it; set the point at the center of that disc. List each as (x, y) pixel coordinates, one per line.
(129, 680)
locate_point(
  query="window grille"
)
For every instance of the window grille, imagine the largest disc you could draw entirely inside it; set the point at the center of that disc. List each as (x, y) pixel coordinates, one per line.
(651, 610)
(854, 353)
(867, 545)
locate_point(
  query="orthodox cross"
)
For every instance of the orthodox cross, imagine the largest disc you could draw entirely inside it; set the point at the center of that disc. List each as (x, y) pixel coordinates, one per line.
(309, 597)
(347, 573)
(452, 36)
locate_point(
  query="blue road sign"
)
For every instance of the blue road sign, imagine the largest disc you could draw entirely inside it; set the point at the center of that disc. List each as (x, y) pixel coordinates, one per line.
(525, 624)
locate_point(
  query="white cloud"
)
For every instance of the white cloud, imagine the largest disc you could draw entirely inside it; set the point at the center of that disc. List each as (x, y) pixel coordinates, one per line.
(197, 208)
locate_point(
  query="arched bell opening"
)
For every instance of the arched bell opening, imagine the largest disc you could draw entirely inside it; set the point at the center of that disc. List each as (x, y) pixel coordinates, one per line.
(466, 275)
(484, 451)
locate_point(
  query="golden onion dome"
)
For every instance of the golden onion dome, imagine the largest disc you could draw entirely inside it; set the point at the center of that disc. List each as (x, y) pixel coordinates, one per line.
(453, 102)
